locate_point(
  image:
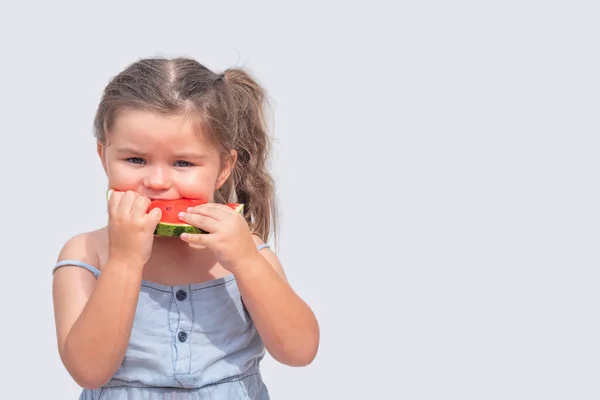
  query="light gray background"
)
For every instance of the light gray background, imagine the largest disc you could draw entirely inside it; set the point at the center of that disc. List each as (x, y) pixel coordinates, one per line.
(437, 169)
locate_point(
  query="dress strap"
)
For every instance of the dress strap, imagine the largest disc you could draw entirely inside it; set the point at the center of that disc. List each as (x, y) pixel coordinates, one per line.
(263, 246)
(76, 263)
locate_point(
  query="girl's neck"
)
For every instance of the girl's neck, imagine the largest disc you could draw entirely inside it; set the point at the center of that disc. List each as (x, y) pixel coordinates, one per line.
(172, 245)
(174, 262)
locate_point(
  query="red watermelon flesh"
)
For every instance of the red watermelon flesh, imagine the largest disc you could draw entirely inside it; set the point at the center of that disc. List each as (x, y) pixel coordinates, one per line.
(171, 208)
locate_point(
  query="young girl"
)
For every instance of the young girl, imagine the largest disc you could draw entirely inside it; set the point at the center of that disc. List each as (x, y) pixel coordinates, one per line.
(145, 317)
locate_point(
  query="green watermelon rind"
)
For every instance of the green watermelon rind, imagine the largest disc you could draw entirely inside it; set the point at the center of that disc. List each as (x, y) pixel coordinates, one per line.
(173, 230)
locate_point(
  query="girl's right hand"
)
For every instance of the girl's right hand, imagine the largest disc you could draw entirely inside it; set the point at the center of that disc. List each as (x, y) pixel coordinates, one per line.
(130, 227)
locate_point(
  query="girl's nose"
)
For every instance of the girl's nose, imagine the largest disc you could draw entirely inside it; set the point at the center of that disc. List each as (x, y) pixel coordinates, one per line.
(157, 179)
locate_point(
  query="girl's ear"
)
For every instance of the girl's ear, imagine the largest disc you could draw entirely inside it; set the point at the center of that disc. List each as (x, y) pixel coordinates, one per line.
(101, 149)
(228, 165)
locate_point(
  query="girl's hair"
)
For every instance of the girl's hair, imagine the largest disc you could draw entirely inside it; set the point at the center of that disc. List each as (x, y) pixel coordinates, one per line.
(230, 107)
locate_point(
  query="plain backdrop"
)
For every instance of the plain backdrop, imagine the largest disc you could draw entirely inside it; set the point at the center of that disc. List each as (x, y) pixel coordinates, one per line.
(437, 171)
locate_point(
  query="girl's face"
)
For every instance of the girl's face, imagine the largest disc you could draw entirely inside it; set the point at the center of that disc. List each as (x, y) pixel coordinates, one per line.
(163, 157)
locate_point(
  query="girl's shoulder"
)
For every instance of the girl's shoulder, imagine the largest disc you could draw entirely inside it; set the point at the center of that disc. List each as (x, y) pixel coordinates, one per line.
(84, 248)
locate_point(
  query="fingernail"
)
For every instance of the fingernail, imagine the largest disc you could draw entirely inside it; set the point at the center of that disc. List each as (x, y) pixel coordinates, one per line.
(181, 215)
(184, 236)
(189, 209)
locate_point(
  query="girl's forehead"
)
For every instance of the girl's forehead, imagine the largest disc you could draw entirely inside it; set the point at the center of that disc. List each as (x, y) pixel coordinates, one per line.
(146, 128)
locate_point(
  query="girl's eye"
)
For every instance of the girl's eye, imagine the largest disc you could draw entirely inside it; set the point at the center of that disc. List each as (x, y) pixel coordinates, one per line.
(135, 160)
(183, 164)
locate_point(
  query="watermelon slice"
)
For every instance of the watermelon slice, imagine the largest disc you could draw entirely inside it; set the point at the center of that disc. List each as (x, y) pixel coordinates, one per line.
(170, 224)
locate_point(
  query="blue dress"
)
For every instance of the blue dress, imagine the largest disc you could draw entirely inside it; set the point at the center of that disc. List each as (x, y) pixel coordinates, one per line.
(187, 342)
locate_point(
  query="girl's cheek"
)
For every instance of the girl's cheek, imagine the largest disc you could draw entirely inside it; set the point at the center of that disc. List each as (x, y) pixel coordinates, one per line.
(122, 183)
(199, 188)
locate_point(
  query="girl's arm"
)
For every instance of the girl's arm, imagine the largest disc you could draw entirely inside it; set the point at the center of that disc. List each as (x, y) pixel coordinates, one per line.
(93, 317)
(284, 321)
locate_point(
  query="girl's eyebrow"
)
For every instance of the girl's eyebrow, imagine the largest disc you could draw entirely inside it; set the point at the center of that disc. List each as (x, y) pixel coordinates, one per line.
(195, 156)
(127, 150)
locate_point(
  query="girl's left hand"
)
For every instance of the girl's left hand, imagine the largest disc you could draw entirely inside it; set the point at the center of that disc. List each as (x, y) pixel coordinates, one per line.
(229, 237)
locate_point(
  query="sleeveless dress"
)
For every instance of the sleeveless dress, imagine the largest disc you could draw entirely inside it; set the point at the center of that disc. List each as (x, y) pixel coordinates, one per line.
(188, 342)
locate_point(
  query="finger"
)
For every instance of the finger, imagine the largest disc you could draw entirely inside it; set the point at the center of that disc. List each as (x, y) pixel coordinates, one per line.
(226, 208)
(140, 206)
(114, 201)
(200, 221)
(127, 201)
(154, 216)
(210, 210)
(198, 239)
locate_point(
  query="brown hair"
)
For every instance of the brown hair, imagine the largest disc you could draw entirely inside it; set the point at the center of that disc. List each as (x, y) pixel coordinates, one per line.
(230, 106)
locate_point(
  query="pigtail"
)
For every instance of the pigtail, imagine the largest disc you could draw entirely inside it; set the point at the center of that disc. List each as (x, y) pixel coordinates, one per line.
(252, 184)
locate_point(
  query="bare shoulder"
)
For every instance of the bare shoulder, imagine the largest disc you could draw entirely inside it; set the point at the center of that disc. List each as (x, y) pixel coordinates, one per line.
(82, 247)
(270, 256)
